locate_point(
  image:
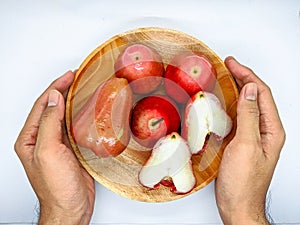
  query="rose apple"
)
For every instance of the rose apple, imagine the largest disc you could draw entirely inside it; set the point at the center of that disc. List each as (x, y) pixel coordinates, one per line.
(102, 124)
(170, 165)
(141, 64)
(204, 115)
(192, 72)
(152, 118)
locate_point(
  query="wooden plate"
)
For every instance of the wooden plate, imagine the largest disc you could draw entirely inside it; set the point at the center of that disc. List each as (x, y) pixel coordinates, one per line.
(120, 174)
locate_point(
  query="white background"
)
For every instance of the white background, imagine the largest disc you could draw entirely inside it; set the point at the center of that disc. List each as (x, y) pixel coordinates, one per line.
(40, 40)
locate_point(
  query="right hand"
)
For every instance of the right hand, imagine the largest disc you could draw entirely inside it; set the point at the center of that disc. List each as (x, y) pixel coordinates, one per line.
(250, 158)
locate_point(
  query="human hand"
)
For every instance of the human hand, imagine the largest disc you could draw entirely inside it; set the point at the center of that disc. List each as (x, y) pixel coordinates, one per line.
(250, 158)
(66, 192)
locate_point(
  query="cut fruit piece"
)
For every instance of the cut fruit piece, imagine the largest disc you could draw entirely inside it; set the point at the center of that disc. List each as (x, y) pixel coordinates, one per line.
(170, 165)
(204, 115)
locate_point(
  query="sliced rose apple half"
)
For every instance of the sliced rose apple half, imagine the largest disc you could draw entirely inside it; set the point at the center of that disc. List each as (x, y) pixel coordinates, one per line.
(204, 115)
(170, 165)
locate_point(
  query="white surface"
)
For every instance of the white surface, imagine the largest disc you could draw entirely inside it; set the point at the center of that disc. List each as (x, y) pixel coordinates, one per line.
(40, 40)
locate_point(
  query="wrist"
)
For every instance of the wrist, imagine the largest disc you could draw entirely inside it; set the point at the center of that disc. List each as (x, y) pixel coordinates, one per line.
(59, 216)
(240, 218)
(259, 220)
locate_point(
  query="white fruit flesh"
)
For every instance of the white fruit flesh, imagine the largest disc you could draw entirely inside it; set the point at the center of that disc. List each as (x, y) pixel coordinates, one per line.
(205, 115)
(184, 180)
(170, 157)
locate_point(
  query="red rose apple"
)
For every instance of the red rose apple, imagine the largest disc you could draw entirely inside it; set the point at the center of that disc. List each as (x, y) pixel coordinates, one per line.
(102, 124)
(154, 117)
(141, 64)
(190, 71)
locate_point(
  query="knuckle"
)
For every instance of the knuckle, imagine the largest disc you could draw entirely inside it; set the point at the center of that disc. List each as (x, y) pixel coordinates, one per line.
(250, 108)
(22, 141)
(253, 109)
(47, 115)
(40, 103)
(281, 137)
(248, 75)
(266, 89)
(41, 153)
(41, 156)
(248, 72)
(25, 140)
(17, 146)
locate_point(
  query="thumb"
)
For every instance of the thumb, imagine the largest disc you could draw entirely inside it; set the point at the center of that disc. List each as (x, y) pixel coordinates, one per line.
(248, 114)
(50, 129)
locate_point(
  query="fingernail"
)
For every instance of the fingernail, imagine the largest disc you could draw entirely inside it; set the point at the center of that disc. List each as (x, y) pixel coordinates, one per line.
(251, 91)
(53, 98)
(231, 58)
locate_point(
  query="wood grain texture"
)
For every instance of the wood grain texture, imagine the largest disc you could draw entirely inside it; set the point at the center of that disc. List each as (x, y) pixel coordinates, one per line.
(120, 174)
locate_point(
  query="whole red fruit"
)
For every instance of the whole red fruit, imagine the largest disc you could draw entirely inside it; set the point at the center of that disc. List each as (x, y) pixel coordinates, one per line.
(141, 64)
(187, 74)
(154, 117)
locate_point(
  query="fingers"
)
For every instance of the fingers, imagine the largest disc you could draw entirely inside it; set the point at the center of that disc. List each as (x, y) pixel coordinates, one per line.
(50, 129)
(27, 138)
(248, 129)
(243, 74)
(271, 129)
(61, 84)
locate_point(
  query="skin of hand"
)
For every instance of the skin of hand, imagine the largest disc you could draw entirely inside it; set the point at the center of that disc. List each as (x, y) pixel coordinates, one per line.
(65, 190)
(249, 160)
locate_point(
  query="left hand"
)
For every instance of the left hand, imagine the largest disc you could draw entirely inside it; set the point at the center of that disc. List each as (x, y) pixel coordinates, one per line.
(65, 190)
